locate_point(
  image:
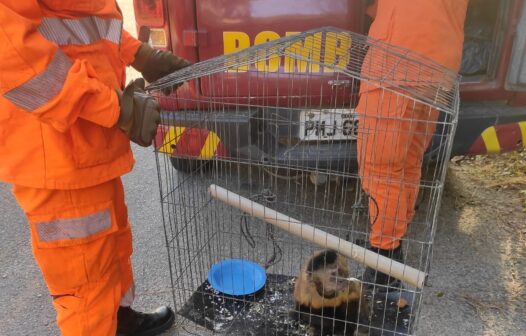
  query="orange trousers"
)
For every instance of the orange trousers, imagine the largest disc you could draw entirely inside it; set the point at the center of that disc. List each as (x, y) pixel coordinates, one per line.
(81, 240)
(394, 133)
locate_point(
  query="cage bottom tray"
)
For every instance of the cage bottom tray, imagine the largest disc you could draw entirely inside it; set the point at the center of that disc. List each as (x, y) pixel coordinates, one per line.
(268, 312)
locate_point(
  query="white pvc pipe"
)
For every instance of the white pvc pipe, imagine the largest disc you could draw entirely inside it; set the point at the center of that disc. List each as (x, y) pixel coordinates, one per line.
(326, 240)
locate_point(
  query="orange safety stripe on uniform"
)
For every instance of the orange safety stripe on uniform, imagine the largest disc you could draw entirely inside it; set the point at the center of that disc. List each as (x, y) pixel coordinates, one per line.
(43, 87)
(491, 140)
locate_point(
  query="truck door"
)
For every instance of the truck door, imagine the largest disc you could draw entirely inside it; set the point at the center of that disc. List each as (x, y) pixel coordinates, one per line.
(231, 25)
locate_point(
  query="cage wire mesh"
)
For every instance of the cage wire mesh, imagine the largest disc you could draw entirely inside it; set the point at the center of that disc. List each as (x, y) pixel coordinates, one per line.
(283, 124)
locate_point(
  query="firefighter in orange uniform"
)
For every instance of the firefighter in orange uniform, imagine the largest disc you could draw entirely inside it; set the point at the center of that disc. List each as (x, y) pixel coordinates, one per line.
(390, 150)
(65, 129)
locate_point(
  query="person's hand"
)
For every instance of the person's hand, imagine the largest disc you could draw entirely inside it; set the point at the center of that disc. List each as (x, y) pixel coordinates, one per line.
(154, 64)
(139, 114)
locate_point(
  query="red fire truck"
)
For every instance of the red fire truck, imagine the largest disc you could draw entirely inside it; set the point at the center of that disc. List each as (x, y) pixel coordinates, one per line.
(493, 91)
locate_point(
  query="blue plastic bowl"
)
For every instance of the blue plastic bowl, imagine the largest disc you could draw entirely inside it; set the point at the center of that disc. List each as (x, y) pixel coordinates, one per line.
(237, 277)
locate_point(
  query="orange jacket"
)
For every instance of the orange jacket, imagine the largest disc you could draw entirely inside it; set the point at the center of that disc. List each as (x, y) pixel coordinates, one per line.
(430, 28)
(434, 29)
(60, 63)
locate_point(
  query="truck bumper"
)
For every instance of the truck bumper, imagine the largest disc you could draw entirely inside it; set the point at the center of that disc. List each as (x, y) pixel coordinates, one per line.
(490, 127)
(255, 137)
(248, 136)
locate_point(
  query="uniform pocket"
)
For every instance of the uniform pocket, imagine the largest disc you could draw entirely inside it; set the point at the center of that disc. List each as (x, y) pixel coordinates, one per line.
(74, 250)
(71, 230)
(89, 144)
(68, 303)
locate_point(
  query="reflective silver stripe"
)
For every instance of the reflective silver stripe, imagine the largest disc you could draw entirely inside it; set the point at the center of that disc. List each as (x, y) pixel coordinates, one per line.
(73, 228)
(128, 297)
(43, 87)
(85, 30)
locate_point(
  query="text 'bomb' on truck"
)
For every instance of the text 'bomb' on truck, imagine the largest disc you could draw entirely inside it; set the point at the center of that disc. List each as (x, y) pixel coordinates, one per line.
(492, 115)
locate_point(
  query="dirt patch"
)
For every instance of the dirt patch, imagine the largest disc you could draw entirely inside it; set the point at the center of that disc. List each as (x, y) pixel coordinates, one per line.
(479, 268)
(495, 187)
(497, 172)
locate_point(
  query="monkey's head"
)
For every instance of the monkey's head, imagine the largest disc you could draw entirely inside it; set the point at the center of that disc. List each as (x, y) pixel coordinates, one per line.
(328, 271)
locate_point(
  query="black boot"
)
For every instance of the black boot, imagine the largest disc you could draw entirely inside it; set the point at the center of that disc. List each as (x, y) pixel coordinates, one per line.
(373, 277)
(132, 323)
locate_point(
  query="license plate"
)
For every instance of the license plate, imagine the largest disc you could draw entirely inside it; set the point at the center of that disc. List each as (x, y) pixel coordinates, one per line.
(333, 124)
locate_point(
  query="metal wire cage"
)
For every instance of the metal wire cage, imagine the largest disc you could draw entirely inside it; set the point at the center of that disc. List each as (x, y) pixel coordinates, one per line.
(328, 128)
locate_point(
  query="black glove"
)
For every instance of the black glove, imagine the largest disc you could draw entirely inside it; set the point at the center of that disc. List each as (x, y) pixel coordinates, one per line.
(154, 64)
(140, 114)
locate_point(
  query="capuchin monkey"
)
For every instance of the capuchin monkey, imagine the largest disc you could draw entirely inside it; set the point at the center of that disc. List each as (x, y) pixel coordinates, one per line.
(327, 299)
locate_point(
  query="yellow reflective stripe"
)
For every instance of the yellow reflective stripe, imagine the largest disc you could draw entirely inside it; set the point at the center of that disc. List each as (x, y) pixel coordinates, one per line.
(171, 138)
(490, 140)
(522, 126)
(209, 148)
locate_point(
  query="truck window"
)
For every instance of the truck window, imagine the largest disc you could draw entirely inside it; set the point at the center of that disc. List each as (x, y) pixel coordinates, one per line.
(481, 41)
